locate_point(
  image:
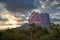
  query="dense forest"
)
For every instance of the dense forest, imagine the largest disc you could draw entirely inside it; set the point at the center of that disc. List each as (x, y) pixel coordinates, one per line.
(33, 33)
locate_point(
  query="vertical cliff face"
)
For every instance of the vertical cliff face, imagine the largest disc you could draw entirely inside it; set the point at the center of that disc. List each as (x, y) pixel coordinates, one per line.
(39, 19)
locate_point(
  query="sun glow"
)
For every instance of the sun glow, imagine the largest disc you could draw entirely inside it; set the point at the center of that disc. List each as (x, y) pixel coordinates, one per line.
(12, 21)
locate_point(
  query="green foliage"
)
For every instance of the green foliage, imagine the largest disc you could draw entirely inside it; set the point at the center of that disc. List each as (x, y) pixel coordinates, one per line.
(9, 35)
(32, 33)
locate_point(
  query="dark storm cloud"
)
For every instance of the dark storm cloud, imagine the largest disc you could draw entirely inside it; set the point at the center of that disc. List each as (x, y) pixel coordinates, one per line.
(46, 0)
(18, 5)
(54, 19)
(46, 6)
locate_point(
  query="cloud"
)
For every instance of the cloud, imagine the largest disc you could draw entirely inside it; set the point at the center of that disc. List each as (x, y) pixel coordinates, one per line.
(3, 19)
(17, 5)
(52, 7)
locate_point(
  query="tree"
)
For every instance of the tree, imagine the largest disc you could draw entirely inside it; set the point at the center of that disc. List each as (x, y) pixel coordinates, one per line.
(9, 34)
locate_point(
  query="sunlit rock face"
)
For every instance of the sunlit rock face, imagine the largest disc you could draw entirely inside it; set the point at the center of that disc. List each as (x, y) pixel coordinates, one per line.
(39, 19)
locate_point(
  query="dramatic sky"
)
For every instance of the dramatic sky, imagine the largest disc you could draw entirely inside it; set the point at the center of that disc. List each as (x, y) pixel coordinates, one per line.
(14, 13)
